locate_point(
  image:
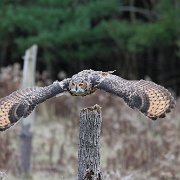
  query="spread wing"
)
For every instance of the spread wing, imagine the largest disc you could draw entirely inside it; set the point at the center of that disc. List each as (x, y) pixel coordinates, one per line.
(151, 99)
(22, 102)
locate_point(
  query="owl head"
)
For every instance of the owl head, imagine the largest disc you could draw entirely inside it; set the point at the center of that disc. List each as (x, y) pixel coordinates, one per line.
(80, 87)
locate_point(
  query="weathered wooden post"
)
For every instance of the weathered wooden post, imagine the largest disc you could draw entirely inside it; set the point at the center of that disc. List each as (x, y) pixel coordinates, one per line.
(26, 130)
(89, 135)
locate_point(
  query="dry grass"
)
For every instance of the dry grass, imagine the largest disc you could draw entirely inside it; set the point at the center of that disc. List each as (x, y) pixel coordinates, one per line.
(132, 146)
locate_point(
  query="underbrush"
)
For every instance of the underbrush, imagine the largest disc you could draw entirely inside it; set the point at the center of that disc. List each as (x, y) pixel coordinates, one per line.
(132, 146)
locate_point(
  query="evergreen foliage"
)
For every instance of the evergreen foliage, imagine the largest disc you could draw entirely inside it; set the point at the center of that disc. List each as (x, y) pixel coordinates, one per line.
(100, 34)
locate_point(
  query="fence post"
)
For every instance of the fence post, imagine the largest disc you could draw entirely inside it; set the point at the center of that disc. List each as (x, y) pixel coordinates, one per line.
(89, 135)
(26, 129)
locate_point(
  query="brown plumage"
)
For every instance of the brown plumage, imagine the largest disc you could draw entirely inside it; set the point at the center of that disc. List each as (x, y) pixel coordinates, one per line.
(159, 100)
(22, 102)
(152, 100)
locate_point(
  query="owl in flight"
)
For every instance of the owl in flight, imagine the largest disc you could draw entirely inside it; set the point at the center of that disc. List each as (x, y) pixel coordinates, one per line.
(152, 100)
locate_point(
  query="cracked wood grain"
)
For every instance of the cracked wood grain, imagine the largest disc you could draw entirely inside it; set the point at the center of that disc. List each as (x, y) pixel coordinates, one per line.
(89, 135)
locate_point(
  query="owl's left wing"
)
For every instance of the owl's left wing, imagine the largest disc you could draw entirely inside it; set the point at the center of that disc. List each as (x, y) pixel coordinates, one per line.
(22, 102)
(151, 99)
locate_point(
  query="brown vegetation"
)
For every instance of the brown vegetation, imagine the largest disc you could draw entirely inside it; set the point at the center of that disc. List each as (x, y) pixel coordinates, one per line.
(132, 146)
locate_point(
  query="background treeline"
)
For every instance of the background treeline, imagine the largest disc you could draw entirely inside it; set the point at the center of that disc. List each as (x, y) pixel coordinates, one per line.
(138, 38)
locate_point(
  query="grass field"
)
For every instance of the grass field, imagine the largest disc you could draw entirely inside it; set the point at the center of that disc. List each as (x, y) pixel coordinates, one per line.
(132, 146)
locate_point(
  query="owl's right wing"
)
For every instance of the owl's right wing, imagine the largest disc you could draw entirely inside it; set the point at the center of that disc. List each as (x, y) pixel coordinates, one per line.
(151, 99)
(22, 102)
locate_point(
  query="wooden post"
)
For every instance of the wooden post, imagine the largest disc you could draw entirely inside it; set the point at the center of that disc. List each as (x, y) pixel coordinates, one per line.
(27, 123)
(88, 154)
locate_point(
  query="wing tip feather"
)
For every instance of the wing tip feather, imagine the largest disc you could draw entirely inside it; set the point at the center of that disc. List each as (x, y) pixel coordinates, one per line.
(159, 100)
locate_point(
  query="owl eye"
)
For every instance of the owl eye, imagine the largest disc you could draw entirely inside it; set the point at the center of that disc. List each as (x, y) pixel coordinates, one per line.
(81, 84)
(73, 84)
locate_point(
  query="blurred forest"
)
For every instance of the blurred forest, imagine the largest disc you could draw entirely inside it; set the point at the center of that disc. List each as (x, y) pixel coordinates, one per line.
(138, 38)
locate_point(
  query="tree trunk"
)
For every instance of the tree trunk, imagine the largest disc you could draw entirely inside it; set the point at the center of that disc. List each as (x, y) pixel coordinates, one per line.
(26, 130)
(88, 154)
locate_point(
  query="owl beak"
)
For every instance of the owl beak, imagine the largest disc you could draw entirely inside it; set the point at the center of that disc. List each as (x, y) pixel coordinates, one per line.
(76, 88)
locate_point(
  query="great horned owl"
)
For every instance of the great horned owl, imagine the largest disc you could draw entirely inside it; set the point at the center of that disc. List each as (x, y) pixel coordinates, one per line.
(152, 100)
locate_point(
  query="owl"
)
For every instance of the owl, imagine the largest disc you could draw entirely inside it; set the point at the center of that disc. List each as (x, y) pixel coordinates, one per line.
(153, 100)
